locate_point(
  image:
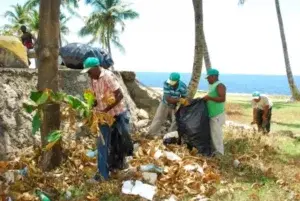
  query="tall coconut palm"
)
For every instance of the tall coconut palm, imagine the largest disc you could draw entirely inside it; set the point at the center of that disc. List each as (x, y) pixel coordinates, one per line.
(198, 52)
(206, 54)
(33, 24)
(16, 17)
(293, 87)
(107, 22)
(70, 5)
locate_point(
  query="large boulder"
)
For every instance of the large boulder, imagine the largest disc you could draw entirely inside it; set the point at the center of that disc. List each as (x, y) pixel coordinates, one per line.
(144, 97)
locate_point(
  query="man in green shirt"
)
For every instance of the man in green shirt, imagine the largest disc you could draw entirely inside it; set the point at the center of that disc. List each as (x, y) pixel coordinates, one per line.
(216, 98)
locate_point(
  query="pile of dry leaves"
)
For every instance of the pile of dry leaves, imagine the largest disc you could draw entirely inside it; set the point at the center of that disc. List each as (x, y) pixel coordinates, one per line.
(184, 173)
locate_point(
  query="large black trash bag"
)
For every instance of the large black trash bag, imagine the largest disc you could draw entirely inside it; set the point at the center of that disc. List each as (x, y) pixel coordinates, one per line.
(193, 126)
(74, 54)
(121, 146)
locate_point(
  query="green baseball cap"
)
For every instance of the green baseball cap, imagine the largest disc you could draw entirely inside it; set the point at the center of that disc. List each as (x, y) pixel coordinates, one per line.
(212, 72)
(173, 78)
(255, 95)
(90, 62)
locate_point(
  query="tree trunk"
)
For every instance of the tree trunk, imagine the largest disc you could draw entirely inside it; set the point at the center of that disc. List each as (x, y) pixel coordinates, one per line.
(206, 54)
(198, 53)
(47, 54)
(294, 90)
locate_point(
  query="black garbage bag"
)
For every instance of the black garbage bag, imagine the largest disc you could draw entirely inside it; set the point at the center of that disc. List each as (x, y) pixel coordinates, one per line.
(193, 126)
(121, 146)
(74, 54)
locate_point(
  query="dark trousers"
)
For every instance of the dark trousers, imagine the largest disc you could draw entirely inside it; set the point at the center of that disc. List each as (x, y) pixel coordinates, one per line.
(265, 126)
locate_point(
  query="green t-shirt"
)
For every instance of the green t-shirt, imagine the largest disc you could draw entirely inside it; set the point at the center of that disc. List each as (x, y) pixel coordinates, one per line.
(214, 108)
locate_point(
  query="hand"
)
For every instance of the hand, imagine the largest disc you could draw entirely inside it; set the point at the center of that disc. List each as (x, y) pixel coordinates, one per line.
(183, 101)
(206, 97)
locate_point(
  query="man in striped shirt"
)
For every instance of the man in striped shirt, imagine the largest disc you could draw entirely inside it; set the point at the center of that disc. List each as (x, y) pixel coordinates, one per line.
(105, 85)
(173, 92)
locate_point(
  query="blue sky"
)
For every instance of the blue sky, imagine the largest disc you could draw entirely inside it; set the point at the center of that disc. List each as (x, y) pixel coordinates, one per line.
(241, 39)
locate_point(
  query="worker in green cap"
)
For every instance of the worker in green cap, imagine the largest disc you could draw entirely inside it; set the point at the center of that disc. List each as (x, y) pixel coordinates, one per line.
(216, 98)
(262, 112)
(174, 92)
(105, 86)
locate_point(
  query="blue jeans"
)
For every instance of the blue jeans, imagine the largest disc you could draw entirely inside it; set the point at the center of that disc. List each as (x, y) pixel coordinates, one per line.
(122, 125)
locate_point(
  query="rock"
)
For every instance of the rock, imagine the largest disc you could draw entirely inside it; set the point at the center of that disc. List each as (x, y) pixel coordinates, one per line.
(143, 114)
(144, 97)
(142, 123)
(150, 177)
(16, 85)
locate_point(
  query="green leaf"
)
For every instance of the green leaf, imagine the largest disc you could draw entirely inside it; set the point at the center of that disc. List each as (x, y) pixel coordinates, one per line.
(36, 123)
(35, 95)
(29, 108)
(74, 102)
(43, 99)
(39, 97)
(57, 97)
(54, 136)
(89, 98)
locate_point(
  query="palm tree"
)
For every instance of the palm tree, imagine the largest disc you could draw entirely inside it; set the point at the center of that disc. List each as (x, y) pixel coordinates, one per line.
(17, 17)
(33, 24)
(206, 54)
(107, 22)
(70, 5)
(293, 87)
(48, 41)
(198, 52)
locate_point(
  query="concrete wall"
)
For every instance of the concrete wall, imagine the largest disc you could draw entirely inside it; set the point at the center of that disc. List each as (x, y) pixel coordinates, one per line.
(15, 87)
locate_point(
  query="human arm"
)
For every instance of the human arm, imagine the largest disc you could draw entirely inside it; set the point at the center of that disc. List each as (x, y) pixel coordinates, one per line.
(254, 112)
(221, 89)
(167, 95)
(118, 95)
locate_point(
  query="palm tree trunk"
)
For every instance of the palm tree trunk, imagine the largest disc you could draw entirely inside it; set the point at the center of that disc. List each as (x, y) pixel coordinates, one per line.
(198, 52)
(206, 54)
(47, 55)
(294, 90)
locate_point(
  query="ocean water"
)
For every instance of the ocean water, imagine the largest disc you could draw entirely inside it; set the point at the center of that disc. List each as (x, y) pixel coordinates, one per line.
(267, 84)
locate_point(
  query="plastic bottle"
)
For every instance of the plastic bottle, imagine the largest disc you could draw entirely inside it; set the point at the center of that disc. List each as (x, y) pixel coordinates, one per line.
(91, 153)
(42, 196)
(151, 168)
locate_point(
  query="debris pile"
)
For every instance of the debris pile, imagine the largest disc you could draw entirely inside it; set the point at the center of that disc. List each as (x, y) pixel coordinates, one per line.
(164, 171)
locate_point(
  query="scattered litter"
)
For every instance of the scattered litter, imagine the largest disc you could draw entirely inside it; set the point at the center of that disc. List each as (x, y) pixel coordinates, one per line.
(200, 198)
(172, 198)
(170, 138)
(194, 167)
(151, 168)
(139, 188)
(236, 163)
(23, 172)
(150, 177)
(91, 153)
(158, 154)
(171, 156)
